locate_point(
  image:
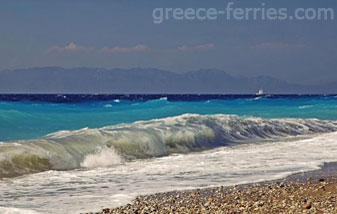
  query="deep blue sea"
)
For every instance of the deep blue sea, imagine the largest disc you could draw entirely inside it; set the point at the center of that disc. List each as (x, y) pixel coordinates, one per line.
(86, 152)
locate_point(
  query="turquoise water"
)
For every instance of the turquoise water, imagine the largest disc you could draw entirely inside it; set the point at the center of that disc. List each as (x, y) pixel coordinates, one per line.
(32, 119)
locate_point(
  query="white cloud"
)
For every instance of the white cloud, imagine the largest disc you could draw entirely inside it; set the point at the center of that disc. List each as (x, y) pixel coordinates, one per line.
(272, 45)
(202, 47)
(71, 47)
(117, 49)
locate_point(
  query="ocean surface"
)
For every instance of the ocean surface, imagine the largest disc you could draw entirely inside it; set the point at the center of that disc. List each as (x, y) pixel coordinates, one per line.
(80, 153)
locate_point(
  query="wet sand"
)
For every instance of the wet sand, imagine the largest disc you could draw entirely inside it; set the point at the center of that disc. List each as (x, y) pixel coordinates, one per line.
(311, 192)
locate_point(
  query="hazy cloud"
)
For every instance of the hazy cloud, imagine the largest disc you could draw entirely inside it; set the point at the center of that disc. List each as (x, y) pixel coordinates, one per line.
(202, 47)
(271, 45)
(117, 49)
(71, 47)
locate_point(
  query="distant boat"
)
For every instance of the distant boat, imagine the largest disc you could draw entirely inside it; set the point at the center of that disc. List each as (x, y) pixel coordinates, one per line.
(260, 92)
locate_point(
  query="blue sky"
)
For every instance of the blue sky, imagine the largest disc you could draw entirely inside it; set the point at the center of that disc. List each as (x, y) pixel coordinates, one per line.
(121, 34)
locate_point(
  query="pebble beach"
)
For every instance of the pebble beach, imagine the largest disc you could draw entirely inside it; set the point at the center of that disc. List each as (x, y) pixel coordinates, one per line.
(313, 193)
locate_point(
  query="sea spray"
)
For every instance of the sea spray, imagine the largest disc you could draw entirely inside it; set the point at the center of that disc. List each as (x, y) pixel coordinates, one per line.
(103, 158)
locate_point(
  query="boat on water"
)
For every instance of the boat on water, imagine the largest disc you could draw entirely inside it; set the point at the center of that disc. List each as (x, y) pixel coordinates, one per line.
(260, 92)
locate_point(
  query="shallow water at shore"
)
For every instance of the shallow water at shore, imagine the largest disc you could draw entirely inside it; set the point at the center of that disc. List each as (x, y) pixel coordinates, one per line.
(82, 190)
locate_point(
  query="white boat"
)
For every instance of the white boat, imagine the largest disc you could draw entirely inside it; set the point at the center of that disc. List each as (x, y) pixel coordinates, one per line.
(260, 92)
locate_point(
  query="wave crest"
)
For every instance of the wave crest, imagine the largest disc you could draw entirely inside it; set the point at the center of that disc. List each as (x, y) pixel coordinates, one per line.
(181, 134)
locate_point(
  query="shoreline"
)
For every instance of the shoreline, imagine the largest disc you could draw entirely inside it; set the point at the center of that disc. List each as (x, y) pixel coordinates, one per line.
(308, 192)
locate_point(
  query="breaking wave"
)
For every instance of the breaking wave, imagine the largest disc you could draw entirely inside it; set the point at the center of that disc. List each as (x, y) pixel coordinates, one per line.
(65, 150)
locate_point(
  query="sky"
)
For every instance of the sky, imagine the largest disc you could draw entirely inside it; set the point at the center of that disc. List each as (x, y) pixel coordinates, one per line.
(122, 34)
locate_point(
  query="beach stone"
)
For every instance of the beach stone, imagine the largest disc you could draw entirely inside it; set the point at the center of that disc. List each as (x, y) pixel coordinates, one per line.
(307, 206)
(106, 210)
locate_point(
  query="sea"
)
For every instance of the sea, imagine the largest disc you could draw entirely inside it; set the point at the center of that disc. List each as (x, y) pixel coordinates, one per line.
(68, 153)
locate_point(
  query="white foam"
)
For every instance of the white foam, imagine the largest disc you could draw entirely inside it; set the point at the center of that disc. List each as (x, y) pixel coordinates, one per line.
(11, 210)
(122, 199)
(305, 106)
(104, 158)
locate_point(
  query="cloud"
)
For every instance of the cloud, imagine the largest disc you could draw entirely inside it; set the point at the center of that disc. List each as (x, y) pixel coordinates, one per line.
(71, 47)
(117, 49)
(202, 47)
(271, 45)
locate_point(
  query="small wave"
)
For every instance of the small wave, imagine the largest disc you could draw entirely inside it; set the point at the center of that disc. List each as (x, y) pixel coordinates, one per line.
(116, 100)
(112, 145)
(305, 106)
(157, 100)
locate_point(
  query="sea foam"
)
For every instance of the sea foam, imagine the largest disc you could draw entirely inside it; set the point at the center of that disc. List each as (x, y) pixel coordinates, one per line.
(103, 158)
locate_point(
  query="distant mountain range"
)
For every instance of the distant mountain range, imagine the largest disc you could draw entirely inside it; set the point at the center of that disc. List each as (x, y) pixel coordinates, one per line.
(141, 80)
